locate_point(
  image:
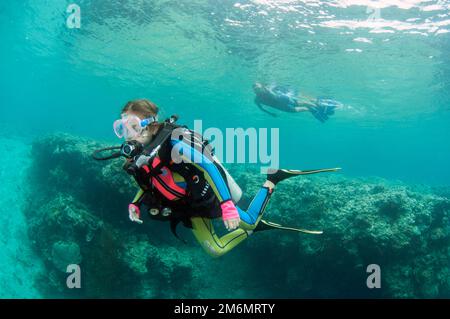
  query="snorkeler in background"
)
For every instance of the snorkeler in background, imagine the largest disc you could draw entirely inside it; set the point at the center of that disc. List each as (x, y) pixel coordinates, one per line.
(290, 101)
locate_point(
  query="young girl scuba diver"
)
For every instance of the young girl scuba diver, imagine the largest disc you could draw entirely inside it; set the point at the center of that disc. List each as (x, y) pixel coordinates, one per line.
(180, 180)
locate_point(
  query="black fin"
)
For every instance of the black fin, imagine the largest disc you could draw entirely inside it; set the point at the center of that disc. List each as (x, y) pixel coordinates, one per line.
(266, 225)
(278, 175)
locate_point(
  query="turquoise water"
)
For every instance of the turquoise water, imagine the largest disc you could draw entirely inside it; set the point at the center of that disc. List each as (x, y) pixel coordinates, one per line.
(389, 65)
(20, 266)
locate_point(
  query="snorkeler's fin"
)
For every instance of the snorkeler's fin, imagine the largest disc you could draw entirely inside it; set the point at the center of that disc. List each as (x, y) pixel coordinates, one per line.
(276, 176)
(266, 225)
(324, 108)
(318, 113)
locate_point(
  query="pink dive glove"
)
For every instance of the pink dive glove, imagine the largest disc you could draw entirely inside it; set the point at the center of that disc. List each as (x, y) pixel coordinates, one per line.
(229, 211)
(134, 217)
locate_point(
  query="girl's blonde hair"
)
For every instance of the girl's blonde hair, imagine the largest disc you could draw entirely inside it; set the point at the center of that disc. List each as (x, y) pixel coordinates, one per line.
(141, 107)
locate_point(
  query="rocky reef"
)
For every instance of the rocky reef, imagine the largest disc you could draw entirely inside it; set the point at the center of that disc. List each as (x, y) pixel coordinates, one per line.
(77, 214)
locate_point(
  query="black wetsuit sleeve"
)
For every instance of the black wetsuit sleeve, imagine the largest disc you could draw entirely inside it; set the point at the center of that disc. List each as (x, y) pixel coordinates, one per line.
(262, 109)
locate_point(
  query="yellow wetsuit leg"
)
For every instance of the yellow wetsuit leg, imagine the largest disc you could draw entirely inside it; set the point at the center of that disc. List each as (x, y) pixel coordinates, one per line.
(203, 228)
(205, 234)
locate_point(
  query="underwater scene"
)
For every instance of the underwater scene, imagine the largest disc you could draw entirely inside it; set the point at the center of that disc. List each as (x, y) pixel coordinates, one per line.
(225, 149)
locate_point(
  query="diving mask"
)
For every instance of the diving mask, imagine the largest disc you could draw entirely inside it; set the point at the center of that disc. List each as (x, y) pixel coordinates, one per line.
(131, 126)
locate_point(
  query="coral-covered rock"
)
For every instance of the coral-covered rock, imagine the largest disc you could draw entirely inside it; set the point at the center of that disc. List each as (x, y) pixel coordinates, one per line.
(77, 214)
(65, 253)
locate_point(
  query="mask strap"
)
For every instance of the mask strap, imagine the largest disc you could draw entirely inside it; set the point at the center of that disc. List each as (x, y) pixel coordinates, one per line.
(149, 120)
